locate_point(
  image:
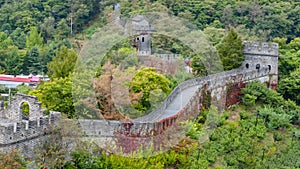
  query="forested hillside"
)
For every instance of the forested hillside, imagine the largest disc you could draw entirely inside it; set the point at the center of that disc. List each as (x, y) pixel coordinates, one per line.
(45, 36)
(61, 22)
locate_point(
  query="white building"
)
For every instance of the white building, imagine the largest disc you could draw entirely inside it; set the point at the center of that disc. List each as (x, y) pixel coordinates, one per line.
(11, 81)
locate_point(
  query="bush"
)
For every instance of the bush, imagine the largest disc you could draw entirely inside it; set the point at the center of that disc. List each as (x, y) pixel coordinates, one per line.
(275, 118)
(256, 92)
(249, 100)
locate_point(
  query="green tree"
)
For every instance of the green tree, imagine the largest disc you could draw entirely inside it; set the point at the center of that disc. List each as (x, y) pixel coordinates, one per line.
(19, 38)
(289, 87)
(47, 28)
(24, 89)
(5, 41)
(231, 51)
(146, 80)
(214, 35)
(56, 95)
(47, 54)
(122, 56)
(32, 62)
(198, 67)
(258, 93)
(249, 100)
(274, 118)
(34, 38)
(62, 30)
(62, 65)
(6, 28)
(289, 59)
(13, 63)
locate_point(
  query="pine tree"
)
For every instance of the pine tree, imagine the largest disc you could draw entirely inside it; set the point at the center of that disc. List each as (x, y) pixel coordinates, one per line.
(13, 64)
(46, 55)
(32, 62)
(198, 67)
(63, 63)
(231, 51)
(34, 38)
(62, 30)
(19, 38)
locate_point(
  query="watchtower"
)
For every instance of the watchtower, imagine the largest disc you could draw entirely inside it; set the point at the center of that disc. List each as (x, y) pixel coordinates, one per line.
(141, 30)
(260, 56)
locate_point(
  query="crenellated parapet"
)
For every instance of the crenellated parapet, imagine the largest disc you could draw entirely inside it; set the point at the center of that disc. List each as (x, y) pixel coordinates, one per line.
(264, 48)
(16, 126)
(18, 131)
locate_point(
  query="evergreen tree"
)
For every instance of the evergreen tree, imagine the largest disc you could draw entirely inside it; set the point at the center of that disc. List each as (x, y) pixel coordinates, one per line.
(289, 87)
(62, 30)
(198, 67)
(34, 38)
(13, 64)
(19, 38)
(46, 58)
(32, 62)
(63, 63)
(231, 51)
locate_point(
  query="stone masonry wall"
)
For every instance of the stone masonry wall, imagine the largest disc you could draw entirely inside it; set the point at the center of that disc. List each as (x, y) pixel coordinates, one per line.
(14, 130)
(264, 54)
(14, 110)
(145, 126)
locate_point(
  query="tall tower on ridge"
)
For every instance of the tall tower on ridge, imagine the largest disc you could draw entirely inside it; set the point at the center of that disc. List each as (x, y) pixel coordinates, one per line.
(141, 30)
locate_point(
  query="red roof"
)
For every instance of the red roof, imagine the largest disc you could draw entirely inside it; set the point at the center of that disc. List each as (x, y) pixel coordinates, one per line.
(19, 79)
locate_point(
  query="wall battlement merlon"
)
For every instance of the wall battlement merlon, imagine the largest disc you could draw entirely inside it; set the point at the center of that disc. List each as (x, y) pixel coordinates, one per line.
(14, 132)
(15, 126)
(263, 49)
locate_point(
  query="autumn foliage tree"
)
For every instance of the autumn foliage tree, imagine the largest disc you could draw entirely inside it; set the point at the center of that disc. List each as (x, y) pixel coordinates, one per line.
(11, 160)
(103, 91)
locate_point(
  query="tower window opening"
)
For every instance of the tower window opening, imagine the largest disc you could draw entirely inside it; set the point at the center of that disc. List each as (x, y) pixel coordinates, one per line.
(257, 67)
(143, 39)
(247, 65)
(269, 66)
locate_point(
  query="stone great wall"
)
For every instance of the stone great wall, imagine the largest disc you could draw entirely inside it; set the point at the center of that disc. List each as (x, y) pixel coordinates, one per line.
(187, 99)
(18, 130)
(185, 102)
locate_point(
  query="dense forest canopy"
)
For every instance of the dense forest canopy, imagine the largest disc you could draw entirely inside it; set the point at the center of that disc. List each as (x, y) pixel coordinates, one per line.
(58, 23)
(61, 19)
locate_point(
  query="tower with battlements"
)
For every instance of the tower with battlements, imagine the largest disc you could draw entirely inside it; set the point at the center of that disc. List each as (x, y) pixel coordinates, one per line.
(259, 56)
(141, 29)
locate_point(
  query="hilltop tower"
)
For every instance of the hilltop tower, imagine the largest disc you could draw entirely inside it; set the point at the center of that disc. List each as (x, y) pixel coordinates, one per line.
(141, 29)
(259, 56)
